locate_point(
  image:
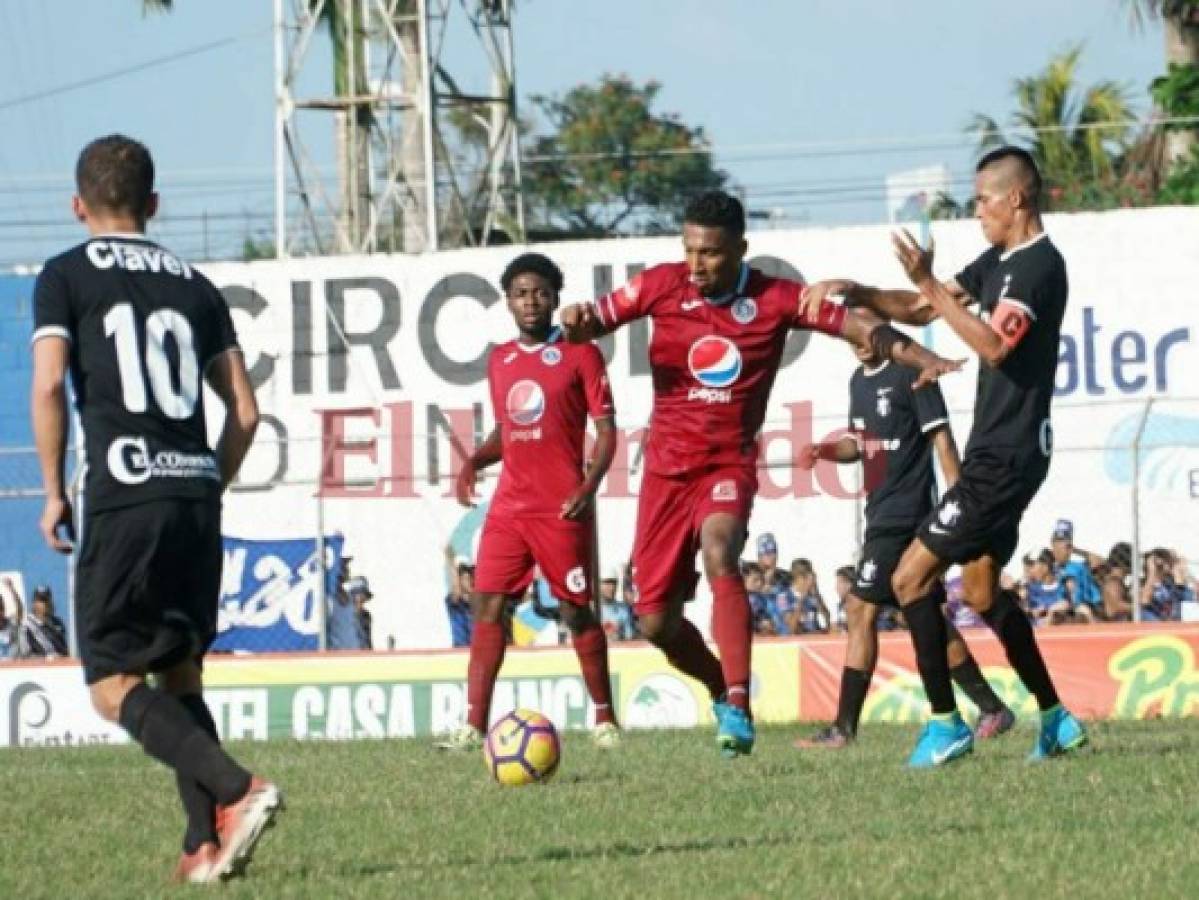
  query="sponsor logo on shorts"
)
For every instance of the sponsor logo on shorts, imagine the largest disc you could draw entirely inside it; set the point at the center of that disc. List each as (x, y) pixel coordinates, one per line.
(724, 491)
(661, 701)
(525, 402)
(130, 462)
(551, 356)
(869, 570)
(950, 512)
(745, 310)
(576, 580)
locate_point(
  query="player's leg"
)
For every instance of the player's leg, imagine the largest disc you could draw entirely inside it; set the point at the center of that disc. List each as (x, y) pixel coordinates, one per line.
(664, 570)
(995, 718)
(1060, 731)
(946, 736)
(861, 655)
(504, 569)
(721, 539)
(563, 551)
(184, 682)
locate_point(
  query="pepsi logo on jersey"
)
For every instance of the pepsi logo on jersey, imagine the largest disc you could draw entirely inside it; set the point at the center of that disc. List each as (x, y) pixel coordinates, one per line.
(525, 405)
(715, 362)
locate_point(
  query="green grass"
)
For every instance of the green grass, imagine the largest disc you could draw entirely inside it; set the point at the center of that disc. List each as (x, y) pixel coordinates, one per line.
(663, 817)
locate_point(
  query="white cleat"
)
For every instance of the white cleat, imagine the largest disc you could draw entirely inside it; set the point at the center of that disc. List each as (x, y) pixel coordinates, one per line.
(606, 736)
(464, 739)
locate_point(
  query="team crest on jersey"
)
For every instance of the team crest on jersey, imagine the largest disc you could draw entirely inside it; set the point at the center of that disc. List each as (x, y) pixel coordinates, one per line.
(714, 361)
(724, 491)
(551, 356)
(576, 580)
(745, 310)
(526, 402)
(883, 402)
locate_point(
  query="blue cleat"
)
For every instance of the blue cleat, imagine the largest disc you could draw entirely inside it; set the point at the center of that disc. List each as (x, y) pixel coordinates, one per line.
(1060, 734)
(734, 730)
(944, 739)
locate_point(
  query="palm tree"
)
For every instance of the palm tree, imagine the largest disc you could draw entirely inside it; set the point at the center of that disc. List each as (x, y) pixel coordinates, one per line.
(1180, 28)
(1077, 133)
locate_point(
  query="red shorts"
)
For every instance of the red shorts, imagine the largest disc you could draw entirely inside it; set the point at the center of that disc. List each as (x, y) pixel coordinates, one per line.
(670, 515)
(510, 549)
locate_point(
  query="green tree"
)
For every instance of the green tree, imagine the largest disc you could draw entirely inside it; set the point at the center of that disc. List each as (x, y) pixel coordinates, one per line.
(1064, 125)
(610, 164)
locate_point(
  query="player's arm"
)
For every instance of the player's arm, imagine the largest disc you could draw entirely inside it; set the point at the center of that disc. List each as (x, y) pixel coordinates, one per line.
(993, 340)
(597, 467)
(947, 454)
(865, 330)
(847, 449)
(486, 454)
(583, 322)
(227, 376)
(903, 306)
(48, 410)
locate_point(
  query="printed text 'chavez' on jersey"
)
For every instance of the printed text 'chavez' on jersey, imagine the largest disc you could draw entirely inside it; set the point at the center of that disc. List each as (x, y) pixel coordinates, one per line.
(143, 327)
(713, 361)
(888, 417)
(1011, 409)
(542, 395)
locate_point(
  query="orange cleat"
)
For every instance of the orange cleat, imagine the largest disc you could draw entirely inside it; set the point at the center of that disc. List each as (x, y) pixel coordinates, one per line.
(240, 825)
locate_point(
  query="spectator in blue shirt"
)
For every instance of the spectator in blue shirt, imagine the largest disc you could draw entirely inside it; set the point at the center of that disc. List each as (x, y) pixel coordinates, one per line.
(1162, 595)
(766, 617)
(807, 613)
(461, 576)
(1048, 601)
(615, 614)
(341, 626)
(1074, 566)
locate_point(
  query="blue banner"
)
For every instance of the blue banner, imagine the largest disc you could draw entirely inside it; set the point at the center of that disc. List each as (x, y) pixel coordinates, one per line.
(269, 594)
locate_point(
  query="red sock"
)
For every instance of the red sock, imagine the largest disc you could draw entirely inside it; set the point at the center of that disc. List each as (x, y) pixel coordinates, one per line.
(486, 657)
(591, 646)
(732, 627)
(688, 653)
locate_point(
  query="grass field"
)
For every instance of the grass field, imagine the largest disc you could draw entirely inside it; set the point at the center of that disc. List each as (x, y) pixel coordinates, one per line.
(663, 817)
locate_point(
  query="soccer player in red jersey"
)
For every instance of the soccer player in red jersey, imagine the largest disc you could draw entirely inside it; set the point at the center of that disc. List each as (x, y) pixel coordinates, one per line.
(542, 389)
(719, 331)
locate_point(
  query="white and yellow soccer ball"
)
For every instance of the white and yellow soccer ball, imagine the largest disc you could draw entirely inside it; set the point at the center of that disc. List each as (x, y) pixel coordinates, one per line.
(522, 748)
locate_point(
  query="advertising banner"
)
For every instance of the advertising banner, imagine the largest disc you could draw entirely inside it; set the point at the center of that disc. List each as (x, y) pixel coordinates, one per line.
(269, 597)
(1101, 671)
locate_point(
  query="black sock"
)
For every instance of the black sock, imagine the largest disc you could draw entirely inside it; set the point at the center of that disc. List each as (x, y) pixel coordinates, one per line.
(926, 623)
(198, 804)
(970, 679)
(854, 684)
(167, 732)
(1015, 633)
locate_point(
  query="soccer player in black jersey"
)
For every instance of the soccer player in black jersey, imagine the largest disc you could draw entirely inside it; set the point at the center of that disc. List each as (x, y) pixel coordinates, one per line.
(139, 331)
(1020, 285)
(894, 430)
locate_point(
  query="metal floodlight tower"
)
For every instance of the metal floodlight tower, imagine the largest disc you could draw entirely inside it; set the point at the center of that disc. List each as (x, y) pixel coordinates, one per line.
(420, 164)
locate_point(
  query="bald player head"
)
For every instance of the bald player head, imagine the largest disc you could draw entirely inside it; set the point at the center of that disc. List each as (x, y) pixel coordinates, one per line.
(1007, 193)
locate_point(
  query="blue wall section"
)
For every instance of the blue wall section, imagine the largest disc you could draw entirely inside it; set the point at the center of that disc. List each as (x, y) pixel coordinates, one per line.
(21, 545)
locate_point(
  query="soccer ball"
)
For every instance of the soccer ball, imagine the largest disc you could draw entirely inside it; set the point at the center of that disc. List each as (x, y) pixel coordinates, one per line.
(522, 748)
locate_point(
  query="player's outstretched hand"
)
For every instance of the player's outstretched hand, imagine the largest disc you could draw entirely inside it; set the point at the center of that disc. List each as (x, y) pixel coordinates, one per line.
(807, 456)
(813, 295)
(917, 262)
(576, 505)
(464, 486)
(57, 520)
(577, 321)
(936, 369)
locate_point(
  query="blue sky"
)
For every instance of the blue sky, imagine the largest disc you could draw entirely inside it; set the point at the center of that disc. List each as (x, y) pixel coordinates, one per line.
(766, 79)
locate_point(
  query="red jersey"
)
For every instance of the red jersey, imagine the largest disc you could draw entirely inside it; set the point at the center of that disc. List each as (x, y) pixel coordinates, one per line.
(713, 361)
(542, 395)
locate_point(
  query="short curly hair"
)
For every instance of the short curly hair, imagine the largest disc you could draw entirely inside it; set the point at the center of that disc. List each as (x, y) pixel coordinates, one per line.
(536, 264)
(717, 209)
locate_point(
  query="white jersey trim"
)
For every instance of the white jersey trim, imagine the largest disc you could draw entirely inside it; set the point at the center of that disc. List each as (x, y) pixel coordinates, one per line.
(50, 331)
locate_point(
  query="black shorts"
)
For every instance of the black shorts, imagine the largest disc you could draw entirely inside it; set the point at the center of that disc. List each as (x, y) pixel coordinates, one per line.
(881, 552)
(980, 515)
(146, 586)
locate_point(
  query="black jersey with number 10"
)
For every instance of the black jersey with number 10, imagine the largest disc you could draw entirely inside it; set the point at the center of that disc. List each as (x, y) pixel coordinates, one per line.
(1011, 409)
(143, 327)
